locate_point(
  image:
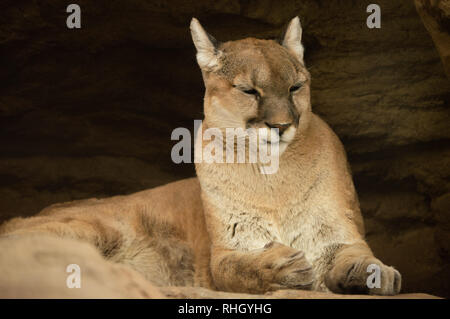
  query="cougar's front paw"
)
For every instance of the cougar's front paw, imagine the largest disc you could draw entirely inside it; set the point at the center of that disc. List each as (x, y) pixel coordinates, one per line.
(364, 275)
(286, 268)
(390, 281)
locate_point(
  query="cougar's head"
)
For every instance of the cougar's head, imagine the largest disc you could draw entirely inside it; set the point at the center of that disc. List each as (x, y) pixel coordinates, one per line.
(252, 83)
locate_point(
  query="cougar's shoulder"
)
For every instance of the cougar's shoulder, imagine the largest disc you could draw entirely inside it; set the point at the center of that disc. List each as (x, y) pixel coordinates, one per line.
(335, 163)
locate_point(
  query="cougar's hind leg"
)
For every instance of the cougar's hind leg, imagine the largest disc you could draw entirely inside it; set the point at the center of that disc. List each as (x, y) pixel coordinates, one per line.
(159, 252)
(107, 239)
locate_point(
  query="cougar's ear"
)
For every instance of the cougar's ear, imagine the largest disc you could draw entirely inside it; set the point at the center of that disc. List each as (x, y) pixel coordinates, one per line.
(292, 39)
(208, 56)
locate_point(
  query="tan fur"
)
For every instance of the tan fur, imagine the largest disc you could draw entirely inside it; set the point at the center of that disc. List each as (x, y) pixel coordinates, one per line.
(159, 232)
(308, 208)
(240, 230)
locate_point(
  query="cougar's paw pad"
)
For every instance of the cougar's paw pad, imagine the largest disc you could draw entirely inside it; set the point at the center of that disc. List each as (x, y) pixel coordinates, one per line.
(287, 268)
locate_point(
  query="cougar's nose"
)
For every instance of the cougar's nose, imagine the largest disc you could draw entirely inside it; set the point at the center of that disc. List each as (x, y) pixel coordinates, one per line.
(280, 126)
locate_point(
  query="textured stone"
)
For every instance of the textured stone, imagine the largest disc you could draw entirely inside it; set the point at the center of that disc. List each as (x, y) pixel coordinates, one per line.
(435, 15)
(39, 271)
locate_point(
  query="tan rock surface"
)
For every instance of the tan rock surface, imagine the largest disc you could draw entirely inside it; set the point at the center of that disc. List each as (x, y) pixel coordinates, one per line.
(39, 271)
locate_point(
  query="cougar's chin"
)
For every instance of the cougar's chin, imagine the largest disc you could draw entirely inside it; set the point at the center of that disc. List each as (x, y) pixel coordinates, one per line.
(280, 142)
(288, 135)
(279, 145)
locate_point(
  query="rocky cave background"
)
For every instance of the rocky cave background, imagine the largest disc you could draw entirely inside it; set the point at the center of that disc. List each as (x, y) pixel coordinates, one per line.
(89, 112)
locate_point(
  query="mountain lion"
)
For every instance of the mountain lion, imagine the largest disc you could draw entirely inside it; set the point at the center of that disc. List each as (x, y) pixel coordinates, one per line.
(234, 228)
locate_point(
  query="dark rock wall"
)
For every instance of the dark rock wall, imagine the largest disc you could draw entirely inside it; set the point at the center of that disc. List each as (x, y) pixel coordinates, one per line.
(89, 112)
(435, 15)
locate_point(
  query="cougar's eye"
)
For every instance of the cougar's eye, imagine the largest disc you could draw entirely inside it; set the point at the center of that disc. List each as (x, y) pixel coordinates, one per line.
(247, 90)
(251, 92)
(295, 87)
